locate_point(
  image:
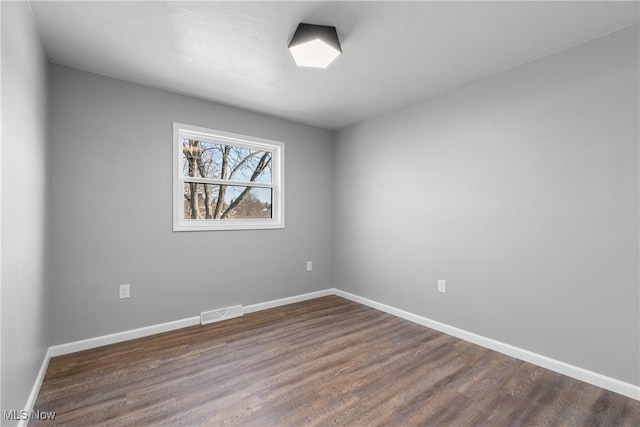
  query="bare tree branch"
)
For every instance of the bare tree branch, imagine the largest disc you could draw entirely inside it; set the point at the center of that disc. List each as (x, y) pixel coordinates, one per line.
(244, 161)
(207, 189)
(264, 161)
(191, 151)
(222, 189)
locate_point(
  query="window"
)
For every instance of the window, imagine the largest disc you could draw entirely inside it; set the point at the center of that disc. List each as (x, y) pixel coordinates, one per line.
(223, 181)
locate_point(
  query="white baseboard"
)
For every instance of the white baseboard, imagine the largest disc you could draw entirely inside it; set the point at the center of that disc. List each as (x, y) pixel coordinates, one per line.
(31, 400)
(599, 380)
(72, 347)
(86, 344)
(581, 374)
(290, 300)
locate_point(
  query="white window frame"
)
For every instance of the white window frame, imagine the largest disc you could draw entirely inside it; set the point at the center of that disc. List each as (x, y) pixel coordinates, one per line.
(211, 135)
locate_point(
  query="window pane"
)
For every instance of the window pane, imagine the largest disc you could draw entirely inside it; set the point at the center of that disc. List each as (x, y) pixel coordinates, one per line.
(208, 201)
(230, 162)
(201, 159)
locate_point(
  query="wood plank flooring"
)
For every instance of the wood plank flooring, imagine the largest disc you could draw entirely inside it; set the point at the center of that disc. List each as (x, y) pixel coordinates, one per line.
(327, 361)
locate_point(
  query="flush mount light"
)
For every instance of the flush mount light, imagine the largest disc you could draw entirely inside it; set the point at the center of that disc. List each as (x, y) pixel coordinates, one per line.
(314, 45)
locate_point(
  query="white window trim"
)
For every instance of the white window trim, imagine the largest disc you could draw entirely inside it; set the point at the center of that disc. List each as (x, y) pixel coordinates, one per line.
(277, 184)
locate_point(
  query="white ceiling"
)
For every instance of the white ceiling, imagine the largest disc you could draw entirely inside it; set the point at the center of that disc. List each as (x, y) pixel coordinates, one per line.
(394, 53)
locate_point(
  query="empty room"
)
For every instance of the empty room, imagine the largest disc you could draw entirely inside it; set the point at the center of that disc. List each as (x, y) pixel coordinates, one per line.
(318, 213)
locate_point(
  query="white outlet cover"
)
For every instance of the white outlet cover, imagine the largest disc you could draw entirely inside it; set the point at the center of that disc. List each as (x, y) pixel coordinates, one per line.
(442, 286)
(309, 265)
(124, 291)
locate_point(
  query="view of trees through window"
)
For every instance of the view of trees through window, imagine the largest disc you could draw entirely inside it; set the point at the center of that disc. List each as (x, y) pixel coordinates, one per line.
(225, 181)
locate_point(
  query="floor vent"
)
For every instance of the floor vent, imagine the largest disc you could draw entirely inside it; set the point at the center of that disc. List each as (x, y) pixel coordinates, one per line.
(212, 316)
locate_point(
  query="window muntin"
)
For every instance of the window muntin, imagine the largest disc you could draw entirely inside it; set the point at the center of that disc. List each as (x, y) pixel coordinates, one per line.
(224, 181)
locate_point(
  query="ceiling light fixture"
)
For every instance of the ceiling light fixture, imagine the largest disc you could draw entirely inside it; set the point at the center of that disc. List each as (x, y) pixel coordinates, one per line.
(314, 45)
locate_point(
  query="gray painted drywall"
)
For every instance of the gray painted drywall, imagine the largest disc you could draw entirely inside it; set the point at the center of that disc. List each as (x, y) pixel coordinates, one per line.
(521, 190)
(24, 175)
(111, 211)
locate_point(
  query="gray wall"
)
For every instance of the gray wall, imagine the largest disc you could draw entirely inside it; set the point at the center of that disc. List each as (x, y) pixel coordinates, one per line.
(111, 211)
(521, 190)
(23, 188)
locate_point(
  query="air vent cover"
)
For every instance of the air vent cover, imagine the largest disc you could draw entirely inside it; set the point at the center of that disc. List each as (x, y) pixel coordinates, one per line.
(219, 314)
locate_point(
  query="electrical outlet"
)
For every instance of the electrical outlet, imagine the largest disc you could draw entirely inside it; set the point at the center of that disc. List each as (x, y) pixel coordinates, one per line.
(442, 286)
(309, 265)
(125, 291)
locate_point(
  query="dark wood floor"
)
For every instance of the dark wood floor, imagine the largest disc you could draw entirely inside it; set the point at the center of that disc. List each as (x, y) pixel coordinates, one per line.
(327, 361)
